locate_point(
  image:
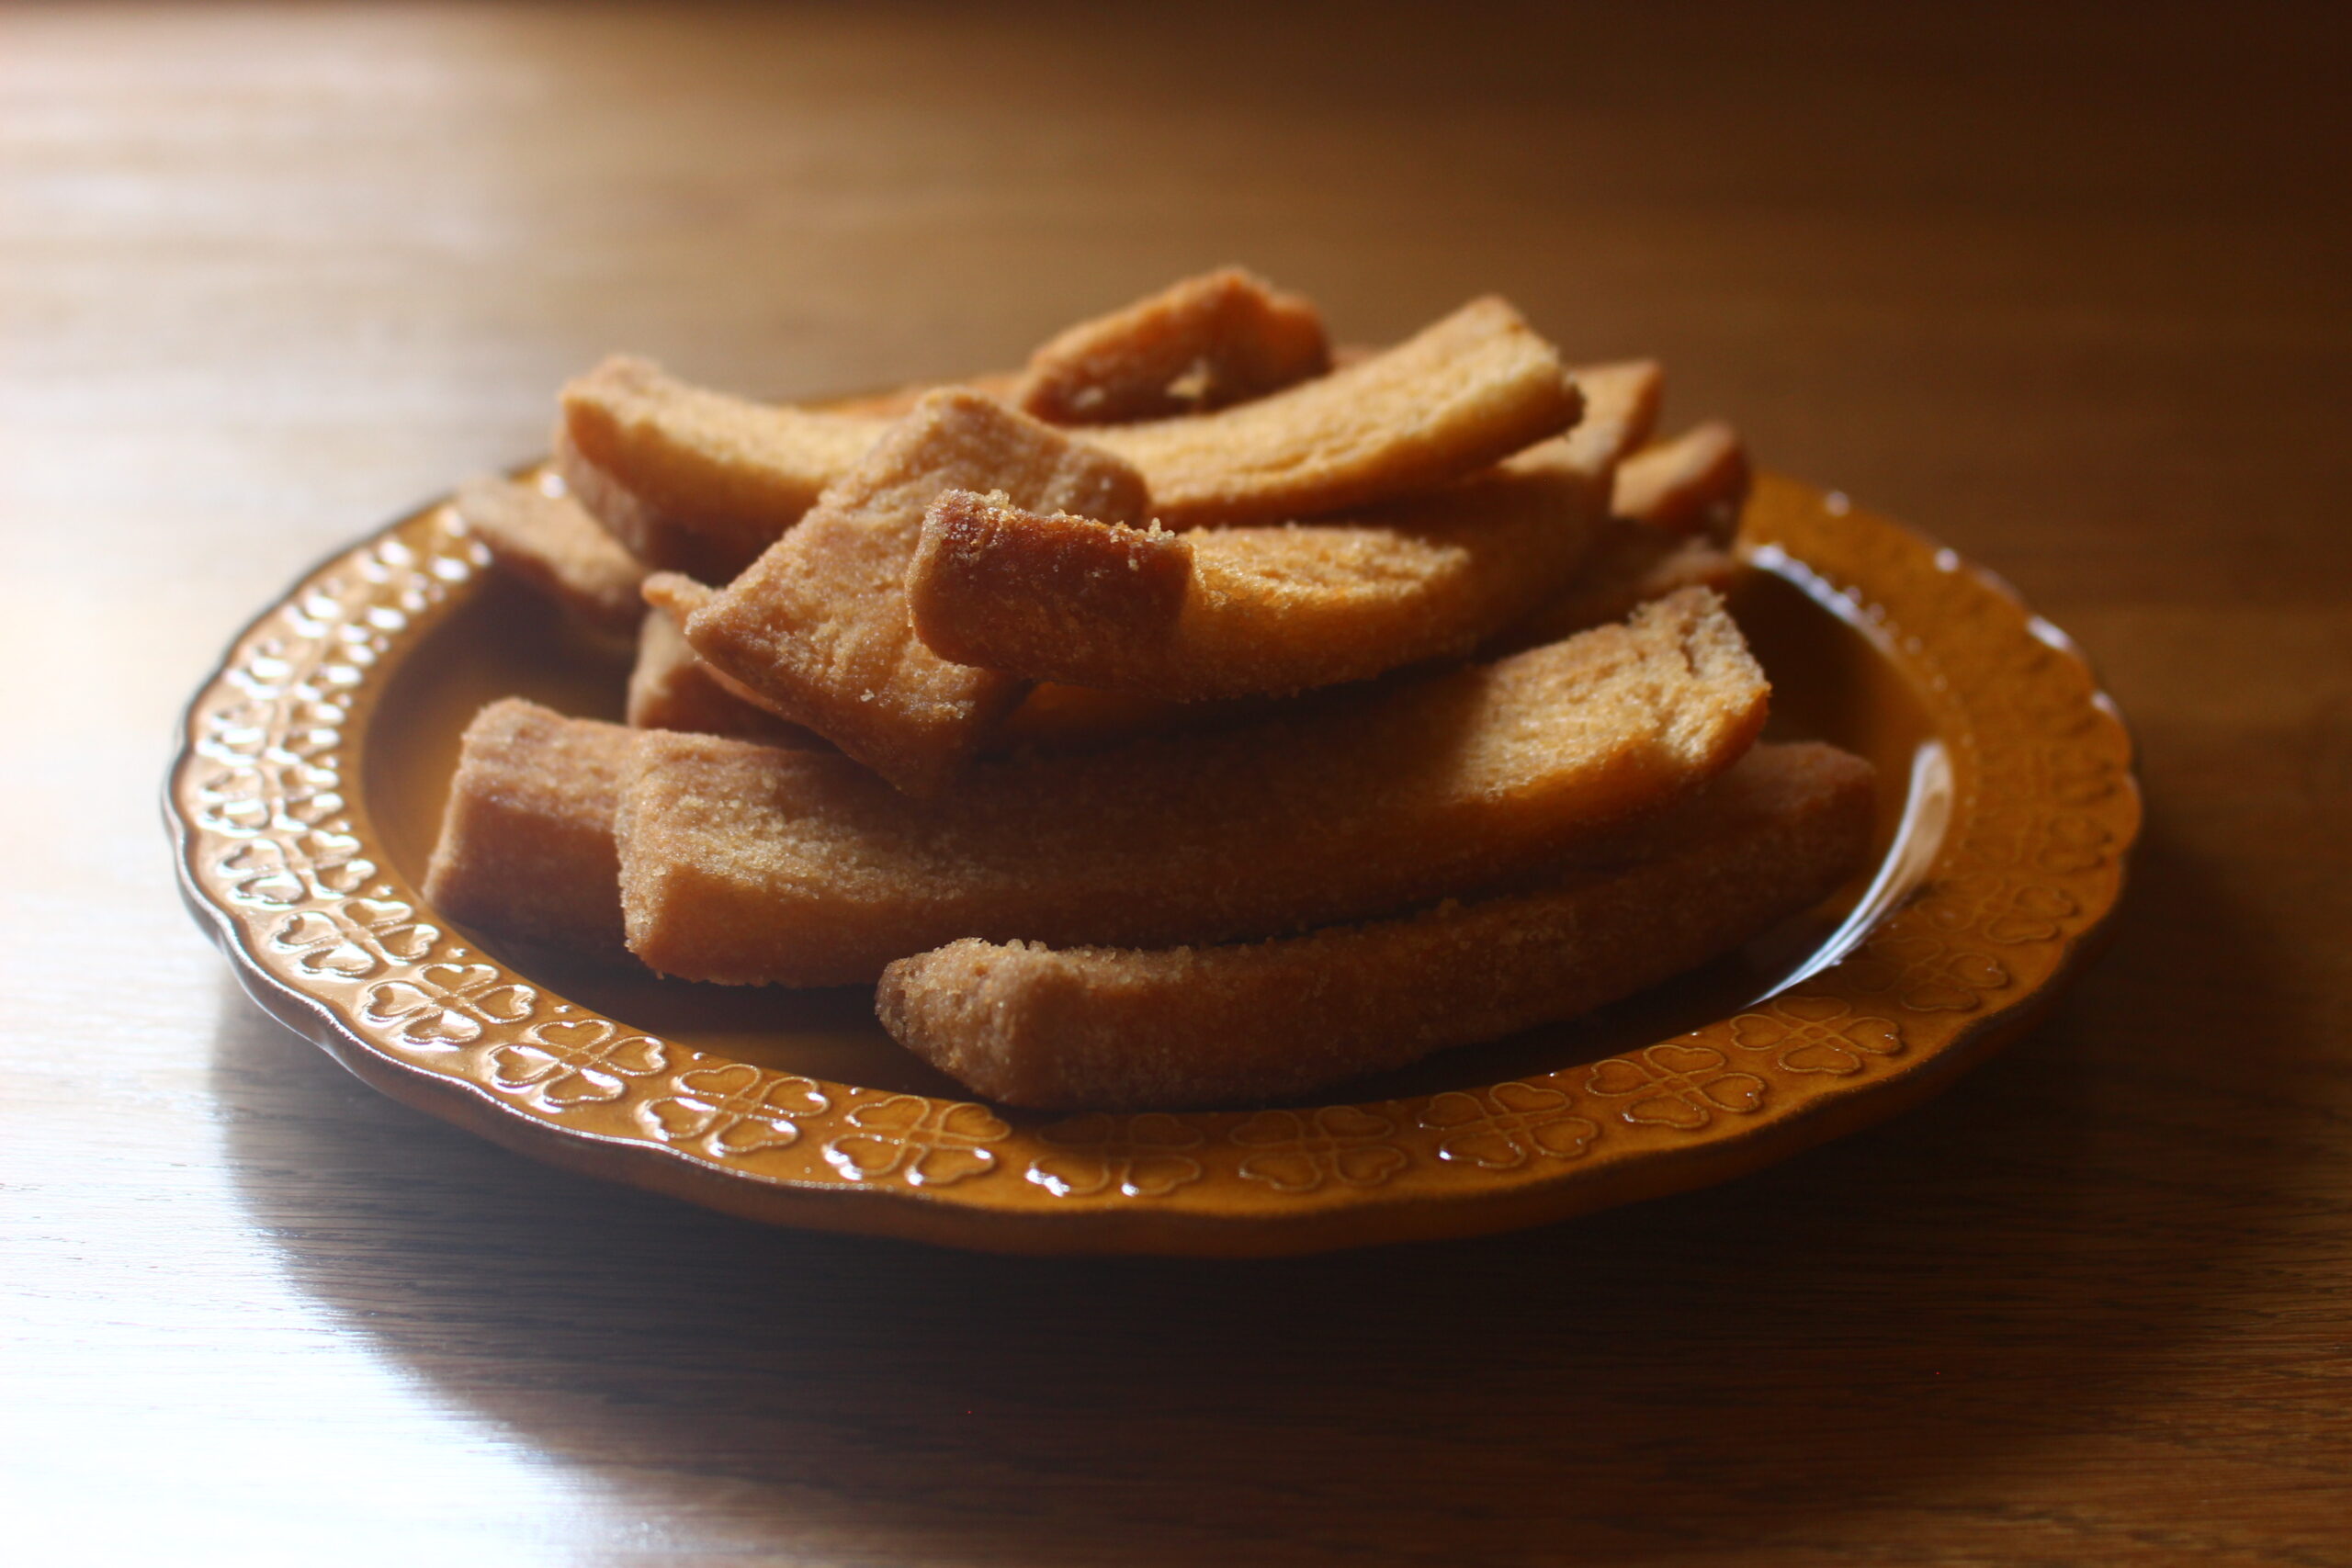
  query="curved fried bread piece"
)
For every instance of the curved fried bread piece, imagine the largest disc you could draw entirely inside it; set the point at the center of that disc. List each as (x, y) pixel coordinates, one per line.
(1111, 1029)
(1621, 407)
(1239, 612)
(1243, 612)
(1631, 564)
(744, 864)
(1464, 393)
(1695, 484)
(548, 540)
(670, 687)
(1671, 527)
(1223, 337)
(525, 847)
(694, 481)
(816, 628)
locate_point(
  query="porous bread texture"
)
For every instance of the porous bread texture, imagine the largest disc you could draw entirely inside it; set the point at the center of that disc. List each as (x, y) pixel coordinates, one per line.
(525, 847)
(1235, 612)
(1126, 1029)
(1464, 393)
(818, 629)
(548, 540)
(742, 864)
(691, 479)
(1200, 343)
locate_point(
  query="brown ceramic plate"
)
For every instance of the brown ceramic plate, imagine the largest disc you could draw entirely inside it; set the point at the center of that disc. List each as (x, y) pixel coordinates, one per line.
(316, 757)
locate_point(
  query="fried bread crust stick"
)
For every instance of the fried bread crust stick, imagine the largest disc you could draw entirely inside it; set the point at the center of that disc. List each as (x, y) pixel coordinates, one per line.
(1675, 509)
(1620, 408)
(673, 687)
(525, 847)
(1201, 344)
(1464, 393)
(694, 481)
(1110, 1029)
(670, 687)
(1266, 611)
(742, 864)
(1693, 484)
(817, 628)
(549, 541)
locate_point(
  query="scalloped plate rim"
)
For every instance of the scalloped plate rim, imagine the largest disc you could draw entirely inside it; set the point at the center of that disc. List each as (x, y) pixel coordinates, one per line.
(949, 1217)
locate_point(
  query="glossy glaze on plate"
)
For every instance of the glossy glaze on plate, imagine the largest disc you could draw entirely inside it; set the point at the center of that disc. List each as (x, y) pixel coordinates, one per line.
(314, 761)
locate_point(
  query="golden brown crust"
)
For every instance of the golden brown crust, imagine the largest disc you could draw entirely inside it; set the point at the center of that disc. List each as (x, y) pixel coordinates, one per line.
(817, 626)
(1122, 1029)
(1026, 592)
(525, 847)
(548, 540)
(691, 479)
(1621, 407)
(1056, 717)
(671, 687)
(1238, 612)
(1464, 393)
(697, 482)
(1220, 338)
(1675, 510)
(1695, 484)
(744, 864)
(1242, 612)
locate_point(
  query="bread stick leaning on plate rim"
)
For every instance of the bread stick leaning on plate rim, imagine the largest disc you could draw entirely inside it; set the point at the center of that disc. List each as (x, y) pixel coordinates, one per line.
(1110, 1029)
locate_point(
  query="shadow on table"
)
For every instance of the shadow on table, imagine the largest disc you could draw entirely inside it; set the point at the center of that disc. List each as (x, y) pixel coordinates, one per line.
(1867, 1323)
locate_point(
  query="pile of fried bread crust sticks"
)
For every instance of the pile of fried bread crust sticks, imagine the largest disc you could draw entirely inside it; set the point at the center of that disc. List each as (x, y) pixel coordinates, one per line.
(1197, 715)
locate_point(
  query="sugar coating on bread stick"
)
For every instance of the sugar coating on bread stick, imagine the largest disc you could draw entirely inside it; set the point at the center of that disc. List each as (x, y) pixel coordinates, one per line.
(542, 536)
(1251, 611)
(672, 688)
(1695, 484)
(691, 479)
(1125, 1029)
(817, 626)
(1201, 344)
(525, 847)
(744, 864)
(1220, 613)
(1464, 393)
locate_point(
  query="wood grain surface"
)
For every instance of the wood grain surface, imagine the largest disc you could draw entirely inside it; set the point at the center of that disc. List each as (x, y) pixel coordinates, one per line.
(2069, 292)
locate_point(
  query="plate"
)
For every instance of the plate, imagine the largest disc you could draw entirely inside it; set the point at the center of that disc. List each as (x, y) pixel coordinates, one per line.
(315, 759)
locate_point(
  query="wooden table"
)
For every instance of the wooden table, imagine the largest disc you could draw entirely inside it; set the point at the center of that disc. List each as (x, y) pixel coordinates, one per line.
(2069, 294)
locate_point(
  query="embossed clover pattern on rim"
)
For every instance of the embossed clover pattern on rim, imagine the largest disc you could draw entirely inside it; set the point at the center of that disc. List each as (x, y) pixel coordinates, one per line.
(279, 859)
